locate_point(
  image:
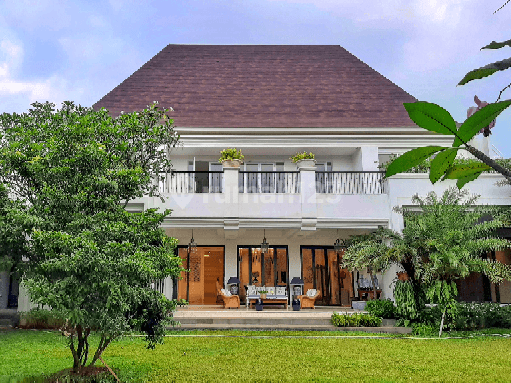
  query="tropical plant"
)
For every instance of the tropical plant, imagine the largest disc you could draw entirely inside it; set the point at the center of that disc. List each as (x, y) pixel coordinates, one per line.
(436, 119)
(74, 171)
(355, 320)
(442, 241)
(230, 154)
(383, 308)
(302, 156)
(445, 242)
(408, 305)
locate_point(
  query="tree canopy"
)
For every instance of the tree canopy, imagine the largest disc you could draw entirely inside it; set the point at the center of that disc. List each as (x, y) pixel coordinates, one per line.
(72, 172)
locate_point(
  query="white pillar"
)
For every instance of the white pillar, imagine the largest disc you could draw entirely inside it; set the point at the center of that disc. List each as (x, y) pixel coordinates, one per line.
(308, 196)
(231, 194)
(366, 159)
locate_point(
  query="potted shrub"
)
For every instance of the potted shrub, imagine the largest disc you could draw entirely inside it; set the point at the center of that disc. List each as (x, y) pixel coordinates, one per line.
(304, 159)
(231, 158)
(263, 294)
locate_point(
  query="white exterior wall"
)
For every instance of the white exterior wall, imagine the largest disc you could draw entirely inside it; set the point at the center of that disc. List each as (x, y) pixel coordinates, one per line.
(231, 218)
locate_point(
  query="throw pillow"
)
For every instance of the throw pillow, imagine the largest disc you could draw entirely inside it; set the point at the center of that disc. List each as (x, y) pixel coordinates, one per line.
(311, 292)
(251, 290)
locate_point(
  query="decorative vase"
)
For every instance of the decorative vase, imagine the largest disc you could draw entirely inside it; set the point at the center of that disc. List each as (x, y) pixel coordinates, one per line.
(259, 305)
(296, 305)
(402, 275)
(307, 163)
(235, 163)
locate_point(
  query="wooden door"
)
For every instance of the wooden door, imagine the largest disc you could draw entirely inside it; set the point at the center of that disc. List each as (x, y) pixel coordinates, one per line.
(206, 265)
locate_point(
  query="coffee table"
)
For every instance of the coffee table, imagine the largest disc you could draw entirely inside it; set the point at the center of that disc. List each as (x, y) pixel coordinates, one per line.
(267, 301)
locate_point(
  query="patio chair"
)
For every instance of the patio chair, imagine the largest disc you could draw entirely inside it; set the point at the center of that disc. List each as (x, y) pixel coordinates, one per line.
(308, 300)
(218, 295)
(230, 301)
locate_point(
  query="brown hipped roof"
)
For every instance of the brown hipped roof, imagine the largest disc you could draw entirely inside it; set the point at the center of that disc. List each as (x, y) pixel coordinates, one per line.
(262, 86)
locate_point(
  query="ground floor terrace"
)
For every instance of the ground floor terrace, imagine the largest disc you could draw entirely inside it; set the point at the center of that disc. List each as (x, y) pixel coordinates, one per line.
(221, 255)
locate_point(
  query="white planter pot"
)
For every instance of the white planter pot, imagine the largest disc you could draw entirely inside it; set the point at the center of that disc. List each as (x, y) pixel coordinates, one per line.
(231, 163)
(306, 164)
(358, 305)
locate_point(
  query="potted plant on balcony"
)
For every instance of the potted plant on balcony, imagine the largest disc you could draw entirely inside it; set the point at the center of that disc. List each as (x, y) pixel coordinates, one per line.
(231, 158)
(304, 159)
(263, 293)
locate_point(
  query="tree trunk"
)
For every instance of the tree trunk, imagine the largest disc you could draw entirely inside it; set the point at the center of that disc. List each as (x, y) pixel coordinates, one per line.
(76, 359)
(442, 322)
(103, 343)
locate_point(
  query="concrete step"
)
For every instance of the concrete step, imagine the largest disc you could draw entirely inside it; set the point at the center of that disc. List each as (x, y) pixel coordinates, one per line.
(387, 330)
(5, 322)
(256, 321)
(9, 317)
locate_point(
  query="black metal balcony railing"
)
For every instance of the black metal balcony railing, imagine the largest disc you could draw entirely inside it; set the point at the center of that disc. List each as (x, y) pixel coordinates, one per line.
(350, 182)
(177, 182)
(269, 182)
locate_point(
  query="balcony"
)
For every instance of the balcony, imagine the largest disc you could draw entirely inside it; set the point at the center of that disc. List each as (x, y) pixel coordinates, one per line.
(350, 182)
(184, 182)
(275, 182)
(306, 198)
(269, 182)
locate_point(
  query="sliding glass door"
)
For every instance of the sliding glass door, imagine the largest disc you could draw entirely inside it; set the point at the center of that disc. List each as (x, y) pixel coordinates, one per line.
(255, 268)
(206, 264)
(321, 270)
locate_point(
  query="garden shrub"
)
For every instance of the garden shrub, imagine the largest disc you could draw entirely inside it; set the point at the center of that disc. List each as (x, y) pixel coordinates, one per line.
(38, 318)
(464, 316)
(422, 329)
(383, 308)
(405, 301)
(475, 315)
(355, 320)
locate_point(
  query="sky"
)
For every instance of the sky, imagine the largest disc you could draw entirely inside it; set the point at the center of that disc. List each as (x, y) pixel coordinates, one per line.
(58, 50)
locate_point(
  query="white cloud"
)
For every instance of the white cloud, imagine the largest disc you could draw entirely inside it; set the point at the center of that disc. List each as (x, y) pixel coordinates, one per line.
(52, 89)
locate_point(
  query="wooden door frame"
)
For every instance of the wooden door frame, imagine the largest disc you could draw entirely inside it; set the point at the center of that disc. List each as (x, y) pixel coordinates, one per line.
(250, 247)
(188, 263)
(325, 249)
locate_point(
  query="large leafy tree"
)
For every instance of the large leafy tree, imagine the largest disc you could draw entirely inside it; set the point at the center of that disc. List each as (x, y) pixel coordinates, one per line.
(444, 239)
(74, 170)
(434, 118)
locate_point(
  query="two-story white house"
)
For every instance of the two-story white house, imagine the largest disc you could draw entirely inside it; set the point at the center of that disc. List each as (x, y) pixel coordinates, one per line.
(272, 101)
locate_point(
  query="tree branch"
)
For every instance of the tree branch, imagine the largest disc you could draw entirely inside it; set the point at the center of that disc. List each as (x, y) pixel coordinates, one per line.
(501, 92)
(488, 161)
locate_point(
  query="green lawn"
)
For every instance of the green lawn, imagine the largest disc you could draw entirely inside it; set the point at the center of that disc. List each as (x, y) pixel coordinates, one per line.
(256, 357)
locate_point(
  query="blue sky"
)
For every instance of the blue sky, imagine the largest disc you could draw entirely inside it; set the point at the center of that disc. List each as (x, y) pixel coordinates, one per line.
(56, 50)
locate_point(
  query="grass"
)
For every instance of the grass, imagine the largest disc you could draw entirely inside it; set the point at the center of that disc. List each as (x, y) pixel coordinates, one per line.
(249, 356)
